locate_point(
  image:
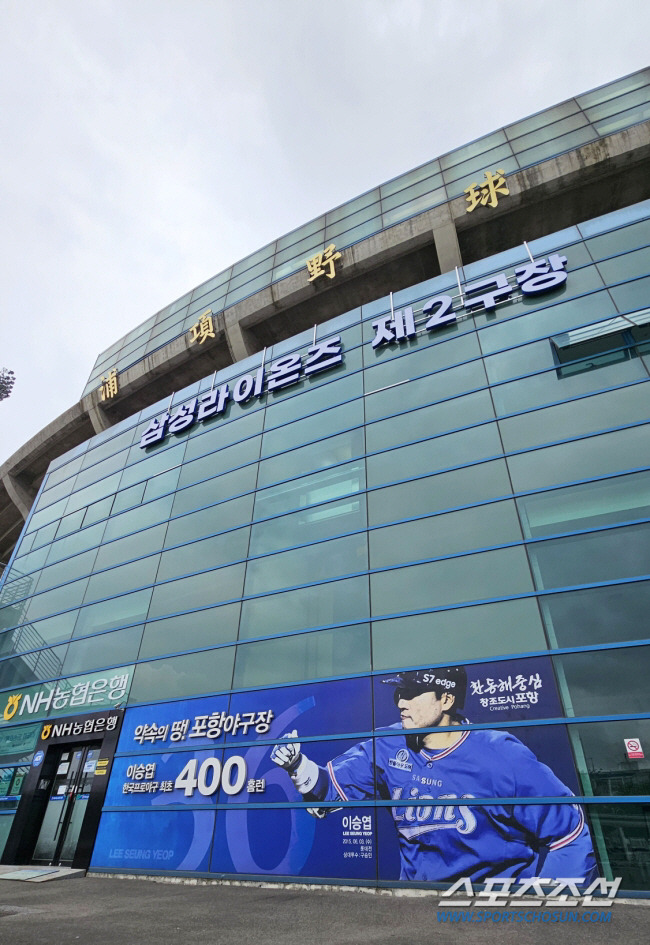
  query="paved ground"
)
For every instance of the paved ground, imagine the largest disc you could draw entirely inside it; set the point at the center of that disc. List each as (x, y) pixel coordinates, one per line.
(142, 912)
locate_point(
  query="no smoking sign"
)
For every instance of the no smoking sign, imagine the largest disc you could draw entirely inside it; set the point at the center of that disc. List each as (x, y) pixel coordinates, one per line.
(633, 748)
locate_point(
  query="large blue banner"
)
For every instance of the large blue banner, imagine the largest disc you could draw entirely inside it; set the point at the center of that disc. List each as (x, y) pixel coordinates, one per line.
(287, 773)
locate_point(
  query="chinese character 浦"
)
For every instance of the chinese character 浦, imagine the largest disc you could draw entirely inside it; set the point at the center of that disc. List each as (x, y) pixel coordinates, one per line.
(203, 329)
(322, 264)
(486, 196)
(109, 385)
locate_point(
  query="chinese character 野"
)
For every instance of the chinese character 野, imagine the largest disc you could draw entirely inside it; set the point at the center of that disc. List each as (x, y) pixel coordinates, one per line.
(109, 385)
(486, 194)
(203, 329)
(322, 264)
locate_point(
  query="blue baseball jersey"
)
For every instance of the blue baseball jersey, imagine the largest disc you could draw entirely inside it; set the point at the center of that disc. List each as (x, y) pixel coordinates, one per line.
(442, 842)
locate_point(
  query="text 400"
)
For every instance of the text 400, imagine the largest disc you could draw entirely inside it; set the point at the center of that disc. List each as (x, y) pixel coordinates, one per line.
(210, 775)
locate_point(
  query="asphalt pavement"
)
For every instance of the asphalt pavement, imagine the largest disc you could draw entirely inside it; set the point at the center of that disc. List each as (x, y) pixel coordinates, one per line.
(112, 911)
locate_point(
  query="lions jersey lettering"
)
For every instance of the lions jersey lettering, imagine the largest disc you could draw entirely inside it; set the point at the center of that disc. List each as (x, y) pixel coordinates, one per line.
(441, 842)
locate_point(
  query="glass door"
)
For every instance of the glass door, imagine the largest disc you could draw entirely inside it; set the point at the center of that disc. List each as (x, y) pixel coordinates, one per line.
(64, 814)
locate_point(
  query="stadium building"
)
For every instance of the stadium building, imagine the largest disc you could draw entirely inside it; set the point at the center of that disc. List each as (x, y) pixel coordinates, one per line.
(382, 487)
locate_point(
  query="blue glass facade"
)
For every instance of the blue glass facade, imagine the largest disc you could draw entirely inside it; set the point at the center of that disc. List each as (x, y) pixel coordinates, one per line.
(475, 494)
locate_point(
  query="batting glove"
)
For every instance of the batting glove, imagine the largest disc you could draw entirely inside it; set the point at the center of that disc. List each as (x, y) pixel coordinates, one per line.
(302, 771)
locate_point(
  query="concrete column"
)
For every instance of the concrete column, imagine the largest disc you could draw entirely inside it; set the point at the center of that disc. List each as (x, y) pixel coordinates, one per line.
(446, 240)
(238, 344)
(20, 495)
(98, 418)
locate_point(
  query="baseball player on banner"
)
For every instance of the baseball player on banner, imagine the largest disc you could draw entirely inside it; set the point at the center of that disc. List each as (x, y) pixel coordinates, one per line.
(444, 837)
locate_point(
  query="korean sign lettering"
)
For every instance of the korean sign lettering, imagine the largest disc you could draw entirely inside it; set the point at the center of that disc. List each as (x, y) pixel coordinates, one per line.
(282, 373)
(86, 727)
(67, 694)
(534, 278)
(204, 726)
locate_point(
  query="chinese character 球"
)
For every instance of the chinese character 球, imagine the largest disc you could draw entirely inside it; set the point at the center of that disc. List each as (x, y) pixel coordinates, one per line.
(322, 264)
(486, 194)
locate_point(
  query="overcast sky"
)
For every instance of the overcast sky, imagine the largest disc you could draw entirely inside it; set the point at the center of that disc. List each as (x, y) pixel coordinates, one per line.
(147, 144)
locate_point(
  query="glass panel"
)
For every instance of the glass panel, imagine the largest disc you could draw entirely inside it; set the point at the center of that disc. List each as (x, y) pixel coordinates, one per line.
(406, 180)
(123, 578)
(210, 520)
(542, 123)
(633, 296)
(439, 418)
(608, 769)
(414, 206)
(127, 498)
(547, 320)
(372, 196)
(605, 681)
(118, 612)
(558, 145)
(614, 89)
(487, 630)
(596, 615)
(191, 675)
(480, 146)
(617, 218)
(98, 490)
(305, 656)
(440, 535)
(215, 490)
(467, 446)
(139, 518)
(312, 401)
(302, 250)
(99, 511)
(34, 635)
(589, 505)
(239, 455)
(419, 362)
(590, 414)
(202, 590)
(336, 227)
(211, 438)
(429, 390)
(619, 104)
(620, 241)
(593, 456)
(152, 465)
(322, 425)
(484, 576)
(191, 631)
(65, 571)
(330, 452)
(304, 232)
(411, 192)
(315, 606)
(51, 602)
(309, 525)
(435, 493)
(135, 546)
(309, 490)
(596, 556)
(200, 555)
(487, 160)
(319, 562)
(107, 649)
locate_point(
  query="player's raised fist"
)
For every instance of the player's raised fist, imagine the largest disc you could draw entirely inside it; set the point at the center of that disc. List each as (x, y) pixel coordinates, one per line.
(287, 754)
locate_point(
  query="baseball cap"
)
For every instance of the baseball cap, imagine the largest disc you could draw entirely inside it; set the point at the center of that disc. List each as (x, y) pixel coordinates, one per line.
(452, 679)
